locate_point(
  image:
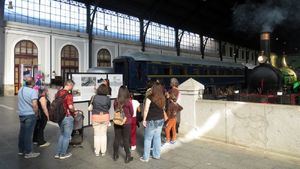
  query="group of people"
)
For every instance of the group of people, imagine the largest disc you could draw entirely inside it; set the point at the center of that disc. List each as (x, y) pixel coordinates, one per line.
(34, 106)
(159, 109)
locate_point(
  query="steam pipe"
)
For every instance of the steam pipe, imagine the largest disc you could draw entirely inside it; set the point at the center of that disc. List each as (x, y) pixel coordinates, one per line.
(265, 44)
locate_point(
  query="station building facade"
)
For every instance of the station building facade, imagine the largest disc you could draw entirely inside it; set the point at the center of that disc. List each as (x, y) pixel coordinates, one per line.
(36, 40)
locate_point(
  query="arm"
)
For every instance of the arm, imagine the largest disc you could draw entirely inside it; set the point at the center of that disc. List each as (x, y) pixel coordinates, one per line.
(70, 103)
(146, 109)
(35, 106)
(43, 102)
(34, 98)
(108, 102)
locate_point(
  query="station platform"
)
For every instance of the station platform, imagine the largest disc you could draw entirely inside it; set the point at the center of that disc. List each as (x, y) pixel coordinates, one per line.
(195, 154)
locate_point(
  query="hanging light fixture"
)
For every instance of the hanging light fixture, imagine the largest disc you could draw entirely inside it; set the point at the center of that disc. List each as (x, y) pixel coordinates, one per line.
(10, 6)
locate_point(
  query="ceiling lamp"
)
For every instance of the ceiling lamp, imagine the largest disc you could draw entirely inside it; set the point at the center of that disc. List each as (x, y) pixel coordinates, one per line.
(10, 6)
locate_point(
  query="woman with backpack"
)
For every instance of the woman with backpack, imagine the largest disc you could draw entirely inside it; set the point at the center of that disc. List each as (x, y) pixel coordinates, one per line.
(100, 118)
(43, 117)
(122, 130)
(153, 121)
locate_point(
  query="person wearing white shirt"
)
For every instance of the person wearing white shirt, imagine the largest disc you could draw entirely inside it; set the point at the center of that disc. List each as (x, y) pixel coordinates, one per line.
(136, 108)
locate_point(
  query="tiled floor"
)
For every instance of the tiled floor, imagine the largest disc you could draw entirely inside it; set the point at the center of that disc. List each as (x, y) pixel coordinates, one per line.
(197, 154)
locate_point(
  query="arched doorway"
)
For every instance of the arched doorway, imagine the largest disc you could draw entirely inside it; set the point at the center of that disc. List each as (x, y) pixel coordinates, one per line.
(103, 58)
(69, 61)
(26, 61)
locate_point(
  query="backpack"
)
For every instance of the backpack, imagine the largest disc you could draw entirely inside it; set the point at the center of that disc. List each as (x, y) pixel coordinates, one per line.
(119, 117)
(57, 109)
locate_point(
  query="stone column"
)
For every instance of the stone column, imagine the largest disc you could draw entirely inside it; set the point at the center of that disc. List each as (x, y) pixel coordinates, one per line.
(190, 90)
(2, 44)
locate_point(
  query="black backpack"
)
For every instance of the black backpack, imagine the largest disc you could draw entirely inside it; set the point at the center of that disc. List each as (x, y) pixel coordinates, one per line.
(57, 109)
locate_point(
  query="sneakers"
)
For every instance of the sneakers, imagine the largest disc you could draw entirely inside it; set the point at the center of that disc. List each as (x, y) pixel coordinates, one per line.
(133, 148)
(143, 160)
(102, 154)
(97, 154)
(166, 144)
(20, 154)
(31, 155)
(173, 142)
(62, 157)
(35, 143)
(45, 144)
(56, 156)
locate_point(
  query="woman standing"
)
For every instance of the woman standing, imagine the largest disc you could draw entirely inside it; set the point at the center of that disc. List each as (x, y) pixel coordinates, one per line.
(100, 118)
(43, 117)
(175, 92)
(122, 132)
(136, 108)
(153, 121)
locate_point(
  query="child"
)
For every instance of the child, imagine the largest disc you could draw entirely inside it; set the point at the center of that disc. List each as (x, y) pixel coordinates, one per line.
(172, 110)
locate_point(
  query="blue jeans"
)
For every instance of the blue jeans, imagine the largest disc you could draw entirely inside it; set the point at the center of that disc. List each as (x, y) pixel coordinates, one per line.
(66, 128)
(27, 124)
(153, 132)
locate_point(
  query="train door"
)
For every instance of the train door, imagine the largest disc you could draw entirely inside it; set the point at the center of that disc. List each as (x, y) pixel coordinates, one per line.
(121, 67)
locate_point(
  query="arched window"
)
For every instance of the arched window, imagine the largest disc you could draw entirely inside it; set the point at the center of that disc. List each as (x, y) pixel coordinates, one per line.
(69, 60)
(103, 58)
(26, 61)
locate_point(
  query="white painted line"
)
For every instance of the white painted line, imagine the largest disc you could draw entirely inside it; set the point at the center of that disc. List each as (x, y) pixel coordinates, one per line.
(6, 107)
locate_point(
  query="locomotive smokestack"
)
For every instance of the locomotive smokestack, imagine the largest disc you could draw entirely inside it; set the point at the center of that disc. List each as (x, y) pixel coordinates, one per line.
(265, 44)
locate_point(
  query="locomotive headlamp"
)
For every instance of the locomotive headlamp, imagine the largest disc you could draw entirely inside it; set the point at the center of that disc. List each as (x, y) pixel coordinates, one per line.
(262, 59)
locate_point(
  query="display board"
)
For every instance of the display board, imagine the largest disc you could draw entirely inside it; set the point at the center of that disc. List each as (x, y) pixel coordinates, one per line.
(86, 84)
(115, 80)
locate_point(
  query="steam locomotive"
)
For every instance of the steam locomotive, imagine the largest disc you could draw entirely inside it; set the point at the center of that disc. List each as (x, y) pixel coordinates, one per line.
(268, 78)
(139, 67)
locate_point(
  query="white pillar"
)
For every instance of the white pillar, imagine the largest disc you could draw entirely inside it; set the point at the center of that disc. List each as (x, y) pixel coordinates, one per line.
(190, 90)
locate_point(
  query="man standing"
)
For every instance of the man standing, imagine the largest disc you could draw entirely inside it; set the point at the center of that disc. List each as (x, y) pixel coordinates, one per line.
(66, 126)
(28, 110)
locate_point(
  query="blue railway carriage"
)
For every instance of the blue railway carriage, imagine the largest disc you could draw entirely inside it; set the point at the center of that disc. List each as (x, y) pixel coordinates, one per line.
(139, 67)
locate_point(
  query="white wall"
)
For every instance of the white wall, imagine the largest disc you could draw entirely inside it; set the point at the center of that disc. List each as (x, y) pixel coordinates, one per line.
(58, 42)
(268, 127)
(42, 41)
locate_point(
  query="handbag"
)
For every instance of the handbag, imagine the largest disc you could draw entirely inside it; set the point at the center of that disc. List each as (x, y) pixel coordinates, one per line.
(90, 108)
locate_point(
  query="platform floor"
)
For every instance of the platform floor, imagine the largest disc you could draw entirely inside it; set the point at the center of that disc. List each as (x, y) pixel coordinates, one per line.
(196, 154)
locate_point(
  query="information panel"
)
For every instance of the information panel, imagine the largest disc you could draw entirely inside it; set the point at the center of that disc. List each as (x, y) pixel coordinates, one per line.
(86, 84)
(115, 80)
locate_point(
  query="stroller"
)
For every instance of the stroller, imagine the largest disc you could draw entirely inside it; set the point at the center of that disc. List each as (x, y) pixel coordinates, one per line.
(77, 134)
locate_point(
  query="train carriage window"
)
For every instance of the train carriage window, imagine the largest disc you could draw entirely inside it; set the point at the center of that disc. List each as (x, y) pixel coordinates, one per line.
(182, 71)
(212, 71)
(167, 70)
(221, 71)
(195, 71)
(154, 69)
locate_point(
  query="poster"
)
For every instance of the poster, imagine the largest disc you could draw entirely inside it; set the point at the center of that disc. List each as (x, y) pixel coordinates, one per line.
(86, 85)
(115, 80)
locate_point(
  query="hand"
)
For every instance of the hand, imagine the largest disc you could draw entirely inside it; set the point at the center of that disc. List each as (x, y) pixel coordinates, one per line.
(75, 113)
(145, 123)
